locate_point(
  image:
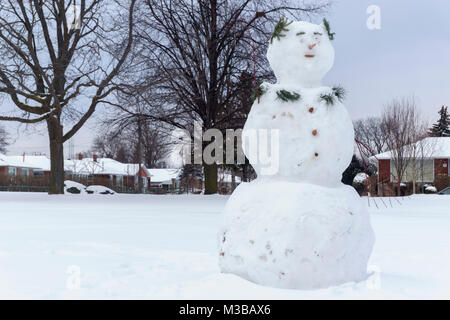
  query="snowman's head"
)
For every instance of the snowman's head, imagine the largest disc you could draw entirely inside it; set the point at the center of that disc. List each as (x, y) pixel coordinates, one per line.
(302, 55)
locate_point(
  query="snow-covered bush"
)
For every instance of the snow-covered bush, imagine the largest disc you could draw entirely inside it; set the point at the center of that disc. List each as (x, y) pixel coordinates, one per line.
(430, 189)
(360, 182)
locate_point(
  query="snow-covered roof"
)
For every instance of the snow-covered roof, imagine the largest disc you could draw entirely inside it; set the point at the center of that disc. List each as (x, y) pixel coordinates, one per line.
(435, 147)
(35, 162)
(31, 162)
(103, 166)
(163, 175)
(89, 166)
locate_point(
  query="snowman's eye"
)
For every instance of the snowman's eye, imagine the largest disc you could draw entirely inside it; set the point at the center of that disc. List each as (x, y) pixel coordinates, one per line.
(317, 34)
(300, 33)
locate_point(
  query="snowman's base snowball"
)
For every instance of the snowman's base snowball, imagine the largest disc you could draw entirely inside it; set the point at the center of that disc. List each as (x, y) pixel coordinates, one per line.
(295, 235)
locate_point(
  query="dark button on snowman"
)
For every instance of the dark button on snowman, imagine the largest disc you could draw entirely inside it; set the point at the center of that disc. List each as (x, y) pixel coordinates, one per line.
(298, 227)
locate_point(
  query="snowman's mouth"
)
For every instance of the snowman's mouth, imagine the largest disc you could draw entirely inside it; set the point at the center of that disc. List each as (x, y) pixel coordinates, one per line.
(309, 56)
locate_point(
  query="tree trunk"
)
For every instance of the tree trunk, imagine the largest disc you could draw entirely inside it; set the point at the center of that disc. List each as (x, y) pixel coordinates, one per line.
(55, 134)
(233, 180)
(210, 178)
(139, 155)
(244, 173)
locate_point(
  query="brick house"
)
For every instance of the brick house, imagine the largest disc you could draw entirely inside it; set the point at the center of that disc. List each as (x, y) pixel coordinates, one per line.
(107, 172)
(13, 167)
(19, 174)
(164, 180)
(430, 166)
(31, 173)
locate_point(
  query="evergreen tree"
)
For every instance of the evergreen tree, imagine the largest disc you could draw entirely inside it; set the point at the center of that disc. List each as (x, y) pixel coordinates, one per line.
(441, 128)
(355, 167)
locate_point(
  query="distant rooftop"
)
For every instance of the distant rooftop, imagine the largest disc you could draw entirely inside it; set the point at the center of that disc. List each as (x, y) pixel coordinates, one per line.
(436, 147)
(89, 166)
(102, 166)
(31, 162)
(164, 176)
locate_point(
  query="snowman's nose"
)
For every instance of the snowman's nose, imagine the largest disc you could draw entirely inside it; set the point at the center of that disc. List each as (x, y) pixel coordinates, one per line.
(311, 46)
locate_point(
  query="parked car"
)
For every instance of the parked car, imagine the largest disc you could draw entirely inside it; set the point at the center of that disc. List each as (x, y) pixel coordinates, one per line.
(445, 191)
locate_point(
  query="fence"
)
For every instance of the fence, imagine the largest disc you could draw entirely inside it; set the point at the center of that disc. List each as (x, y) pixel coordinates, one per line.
(41, 183)
(125, 184)
(390, 189)
(24, 183)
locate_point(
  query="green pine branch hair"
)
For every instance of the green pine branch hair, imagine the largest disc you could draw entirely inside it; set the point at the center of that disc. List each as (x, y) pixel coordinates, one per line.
(287, 96)
(260, 90)
(327, 27)
(339, 92)
(330, 98)
(280, 29)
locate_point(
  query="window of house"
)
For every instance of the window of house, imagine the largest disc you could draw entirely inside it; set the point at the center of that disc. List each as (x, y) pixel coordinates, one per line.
(421, 170)
(38, 173)
(119, 181)
(25, 172)
(12, 171)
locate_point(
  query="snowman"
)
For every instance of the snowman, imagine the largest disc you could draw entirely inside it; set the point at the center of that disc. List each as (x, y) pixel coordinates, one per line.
(298, 227)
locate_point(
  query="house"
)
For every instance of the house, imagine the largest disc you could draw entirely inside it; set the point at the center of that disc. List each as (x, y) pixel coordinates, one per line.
(122, 177)
(32, 173)
(429, 165)
(16, 166)
(21, 174)
(226, 183)
(40, 164)
(164, 180)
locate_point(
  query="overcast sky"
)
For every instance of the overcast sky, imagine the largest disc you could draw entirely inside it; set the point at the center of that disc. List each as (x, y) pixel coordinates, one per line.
(409, 55)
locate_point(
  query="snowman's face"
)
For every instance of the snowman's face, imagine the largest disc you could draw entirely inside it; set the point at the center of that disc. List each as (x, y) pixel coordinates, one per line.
(303, 56)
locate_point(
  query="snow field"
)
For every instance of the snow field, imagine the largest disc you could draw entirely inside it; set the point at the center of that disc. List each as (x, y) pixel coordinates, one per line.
(164, 247)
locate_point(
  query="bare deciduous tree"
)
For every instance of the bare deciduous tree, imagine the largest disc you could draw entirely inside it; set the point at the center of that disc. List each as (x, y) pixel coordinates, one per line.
(3, 140)
(122, 144)
(421, 154)
(369, 132)
(108, 145)
(53, 63)
(402, 127)
(203, 48)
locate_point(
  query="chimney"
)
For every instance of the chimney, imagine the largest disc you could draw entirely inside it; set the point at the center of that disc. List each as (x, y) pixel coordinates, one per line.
(23, 157)
(95, 158)
(80, 156)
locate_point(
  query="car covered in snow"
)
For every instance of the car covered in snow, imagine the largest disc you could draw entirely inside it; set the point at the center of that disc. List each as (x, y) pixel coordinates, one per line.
(99, 190)
(78, 188)
(74, 187)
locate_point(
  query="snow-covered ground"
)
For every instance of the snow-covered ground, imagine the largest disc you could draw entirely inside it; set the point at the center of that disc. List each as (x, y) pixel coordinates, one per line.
(164, 247)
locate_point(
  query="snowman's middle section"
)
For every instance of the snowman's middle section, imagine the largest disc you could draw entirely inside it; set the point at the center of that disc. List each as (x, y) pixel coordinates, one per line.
(315, 137)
